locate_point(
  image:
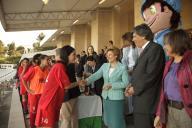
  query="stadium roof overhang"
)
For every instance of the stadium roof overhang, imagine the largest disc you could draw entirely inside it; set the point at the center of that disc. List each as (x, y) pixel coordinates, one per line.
(26, 15)
(21, 15)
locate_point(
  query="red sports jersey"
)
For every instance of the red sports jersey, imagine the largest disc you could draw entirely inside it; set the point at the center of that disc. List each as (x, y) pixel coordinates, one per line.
(36, 77)
(22, 87)
(52, 96)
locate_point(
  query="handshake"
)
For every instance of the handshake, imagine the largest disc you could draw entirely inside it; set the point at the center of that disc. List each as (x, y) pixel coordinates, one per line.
(82, 83)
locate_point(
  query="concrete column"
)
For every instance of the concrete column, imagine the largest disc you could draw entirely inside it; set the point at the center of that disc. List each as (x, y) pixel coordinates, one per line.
(186, 17)
(111, 24)
(87, 36)
(101, 28)
(122, 20)
(64, 39)
(80, 37)
(137, 11)
(94, 31)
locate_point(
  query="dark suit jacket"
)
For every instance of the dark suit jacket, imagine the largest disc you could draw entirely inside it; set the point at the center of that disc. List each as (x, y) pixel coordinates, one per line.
(79, 69)
(146, 79)
(98, 84)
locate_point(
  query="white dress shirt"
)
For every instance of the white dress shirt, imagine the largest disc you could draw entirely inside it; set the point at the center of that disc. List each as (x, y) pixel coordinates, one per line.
(143, 47)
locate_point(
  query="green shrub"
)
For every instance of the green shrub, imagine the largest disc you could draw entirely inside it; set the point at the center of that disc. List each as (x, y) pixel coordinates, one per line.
(10, 60)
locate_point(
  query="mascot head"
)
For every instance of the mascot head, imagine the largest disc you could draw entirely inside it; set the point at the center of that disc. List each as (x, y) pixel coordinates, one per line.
(161, 14)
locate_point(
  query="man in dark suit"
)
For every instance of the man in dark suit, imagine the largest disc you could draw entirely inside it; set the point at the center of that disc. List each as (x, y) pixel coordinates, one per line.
(92, 67)
(146, 78)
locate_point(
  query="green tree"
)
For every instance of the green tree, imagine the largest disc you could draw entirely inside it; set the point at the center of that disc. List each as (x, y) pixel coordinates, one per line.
(5, 49)
(11, 49)
(36, 46)
(2, 49)
(28, 50)
(20, 49)
(40, 37)
(47, 48)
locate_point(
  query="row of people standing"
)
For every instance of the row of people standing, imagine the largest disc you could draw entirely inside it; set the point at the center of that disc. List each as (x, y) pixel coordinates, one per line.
(144, 83)
(32, 77)
(34, 80)
(164, 93)
(45, 87)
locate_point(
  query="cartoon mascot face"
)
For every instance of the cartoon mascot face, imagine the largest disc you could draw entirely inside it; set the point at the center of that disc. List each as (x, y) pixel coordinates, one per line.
(161, 15)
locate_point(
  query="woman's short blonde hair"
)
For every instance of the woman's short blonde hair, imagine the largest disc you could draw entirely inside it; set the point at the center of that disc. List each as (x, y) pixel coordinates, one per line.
(116, 51)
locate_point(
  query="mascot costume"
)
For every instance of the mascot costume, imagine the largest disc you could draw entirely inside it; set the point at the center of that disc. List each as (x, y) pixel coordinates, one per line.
(162, 16)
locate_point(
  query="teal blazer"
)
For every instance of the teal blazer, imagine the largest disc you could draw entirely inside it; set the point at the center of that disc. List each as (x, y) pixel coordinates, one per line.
(118, 80)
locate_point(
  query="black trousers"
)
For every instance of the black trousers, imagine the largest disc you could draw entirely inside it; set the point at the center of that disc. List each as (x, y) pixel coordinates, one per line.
(143, 120)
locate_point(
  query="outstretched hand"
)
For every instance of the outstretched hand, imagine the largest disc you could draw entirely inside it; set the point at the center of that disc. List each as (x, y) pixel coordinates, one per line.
(82, 82)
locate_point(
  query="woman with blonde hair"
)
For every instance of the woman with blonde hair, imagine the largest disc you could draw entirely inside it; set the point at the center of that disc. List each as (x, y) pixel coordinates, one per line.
(115, 81)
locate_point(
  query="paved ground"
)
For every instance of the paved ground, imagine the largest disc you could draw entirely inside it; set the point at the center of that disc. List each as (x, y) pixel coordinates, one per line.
(5, 109)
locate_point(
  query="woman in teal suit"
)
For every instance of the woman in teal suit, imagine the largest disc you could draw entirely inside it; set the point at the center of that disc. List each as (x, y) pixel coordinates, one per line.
(115, 81)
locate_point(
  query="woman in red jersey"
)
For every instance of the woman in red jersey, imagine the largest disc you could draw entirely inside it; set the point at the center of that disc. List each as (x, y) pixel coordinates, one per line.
(34, 62)
(17, 82)
(56, 84)
(36, 77)
(21, 71)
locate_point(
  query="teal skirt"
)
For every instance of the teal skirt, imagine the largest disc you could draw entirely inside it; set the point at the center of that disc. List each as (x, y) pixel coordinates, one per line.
(113, 113)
